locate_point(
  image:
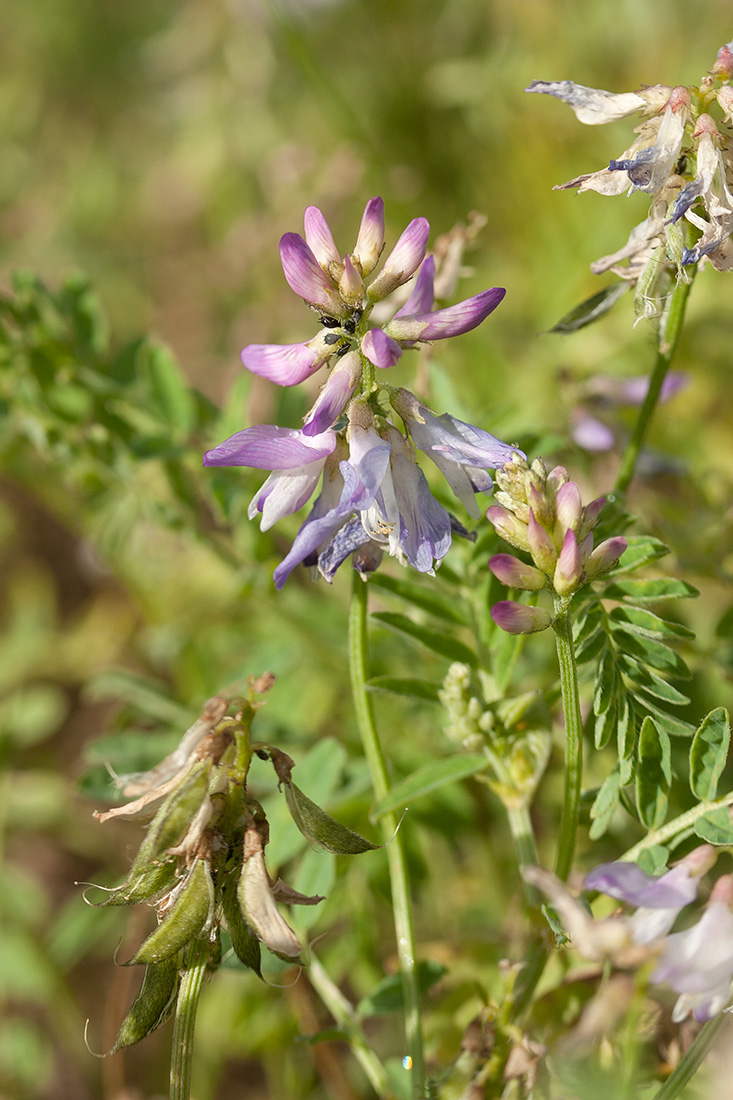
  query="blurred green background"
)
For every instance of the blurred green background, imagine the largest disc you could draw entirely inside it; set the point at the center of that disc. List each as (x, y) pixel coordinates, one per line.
(161, 149)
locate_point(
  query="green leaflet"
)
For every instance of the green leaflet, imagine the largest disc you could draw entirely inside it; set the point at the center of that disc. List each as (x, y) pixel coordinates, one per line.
(153, 1004)
(716, 827)
(316, 825)
(640, 551)
(419, 596)
(437, 641)
(605, 804)
(649, 589)
(171, 396)
(187, 916)
(429, 778)
(653, 774)
(708, 754)
(592, 309)
(638, 620)
(387, 995)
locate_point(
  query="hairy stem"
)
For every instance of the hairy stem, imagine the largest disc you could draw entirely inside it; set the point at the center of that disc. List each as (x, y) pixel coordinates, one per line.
(563, 628)
(688, 1066)
(669, 332)
(398, 875)
(185, 1019)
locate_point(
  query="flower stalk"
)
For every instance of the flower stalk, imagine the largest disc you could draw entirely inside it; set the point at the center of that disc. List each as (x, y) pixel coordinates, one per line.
(397, 863)
(185, 1019)
(563, 627)
(669, 334)
(689, 1064)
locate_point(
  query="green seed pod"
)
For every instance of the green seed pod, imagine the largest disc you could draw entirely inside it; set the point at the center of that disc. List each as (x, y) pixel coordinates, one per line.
(191, 908)
(172, 820)
(153, 1004)
(258, 905)
(315, 824)
(245, 943)
(145, 886)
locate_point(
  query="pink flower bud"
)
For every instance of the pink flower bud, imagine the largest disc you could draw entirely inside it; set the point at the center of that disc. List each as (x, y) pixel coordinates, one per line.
(605, 556)
(591, 512)
(508, 527)
(403, 261)
(351, 284)
(515, 574)
(370, 242)
(517, 618)
(541, 546)
(569, 568)
(568, 508)
(319, 238)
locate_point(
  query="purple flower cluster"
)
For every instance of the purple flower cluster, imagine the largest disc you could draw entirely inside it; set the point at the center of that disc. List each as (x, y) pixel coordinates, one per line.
(696, 963)
(373, 494)
(681, 157)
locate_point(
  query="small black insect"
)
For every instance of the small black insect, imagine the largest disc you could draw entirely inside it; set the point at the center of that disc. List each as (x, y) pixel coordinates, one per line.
(331, 338)
(349, 326)
(343, 349)
(330, 322)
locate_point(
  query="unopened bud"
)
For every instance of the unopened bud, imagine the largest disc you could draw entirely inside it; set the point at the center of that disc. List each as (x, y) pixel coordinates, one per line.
(351, 284)
(541, 546)
(605, 556)
(568, 508)
(569, 568)
(508, 526)
(591, 512)
(516, 574)
(517, 618)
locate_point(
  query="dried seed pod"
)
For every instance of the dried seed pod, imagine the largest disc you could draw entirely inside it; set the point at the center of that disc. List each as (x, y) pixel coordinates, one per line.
(258, 905)
(192, 907)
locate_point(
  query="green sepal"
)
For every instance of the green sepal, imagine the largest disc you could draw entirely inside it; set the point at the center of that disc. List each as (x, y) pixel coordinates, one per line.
(244, 941)
(592, 309)
(186, 918)
(153, 1004)
(316, 825)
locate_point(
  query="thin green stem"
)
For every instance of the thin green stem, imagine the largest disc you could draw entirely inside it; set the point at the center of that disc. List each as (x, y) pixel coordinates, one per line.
(563, 628)
(672, 828)
(688, 1066)
(347, 1019)
(670, 328)
(398, 875)
(185, 1019)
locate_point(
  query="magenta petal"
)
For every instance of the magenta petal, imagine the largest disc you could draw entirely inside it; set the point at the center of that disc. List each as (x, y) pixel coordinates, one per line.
(370, 242)
(337, 391)
(268, 447)
(453, 321)
(403, 261)
(319, 238)
(285, 364)
(380, 349)
(422, 297)
(306, 277)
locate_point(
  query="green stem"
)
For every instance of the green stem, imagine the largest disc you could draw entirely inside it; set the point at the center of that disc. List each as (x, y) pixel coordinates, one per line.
(670, 327)
(185, 1018)
(347, 1019)
(688, 1066)
(398, 875)
(672, 828)
(563, 628)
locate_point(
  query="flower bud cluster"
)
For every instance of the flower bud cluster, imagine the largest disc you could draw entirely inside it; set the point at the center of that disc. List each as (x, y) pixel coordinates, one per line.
(468, 720)
(542, 514)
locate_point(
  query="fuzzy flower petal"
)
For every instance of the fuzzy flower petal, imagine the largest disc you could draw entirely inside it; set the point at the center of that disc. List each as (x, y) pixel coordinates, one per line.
(452, 321)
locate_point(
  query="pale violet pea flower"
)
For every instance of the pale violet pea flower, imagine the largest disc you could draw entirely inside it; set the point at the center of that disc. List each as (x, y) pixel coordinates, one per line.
(296, 461)
(462, 452)
(658, 899)
(698, 963)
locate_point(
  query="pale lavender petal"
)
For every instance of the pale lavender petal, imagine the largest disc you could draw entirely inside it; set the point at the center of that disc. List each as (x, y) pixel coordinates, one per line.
(422, 297)
(650, 168)
(452, 321)
(306, 277)
(286, 364)
(319, 238)
(284, 492)
(627, 882)
(517, 618)
(335, 395)
(403, 261)
(634, 390)
(370, 242)
(592, 106)
(380, 349)
(268, 447)
(425, 527)
(459, 441)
